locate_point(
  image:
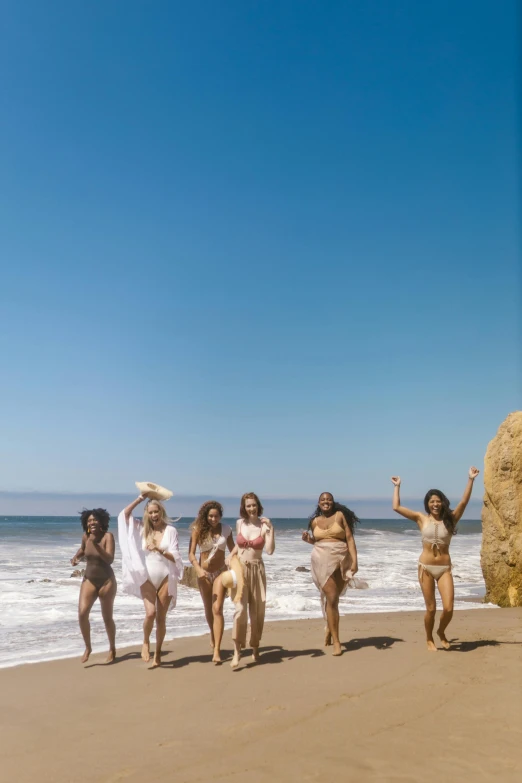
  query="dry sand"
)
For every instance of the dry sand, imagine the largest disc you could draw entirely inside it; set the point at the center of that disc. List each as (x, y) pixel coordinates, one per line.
(387, 710)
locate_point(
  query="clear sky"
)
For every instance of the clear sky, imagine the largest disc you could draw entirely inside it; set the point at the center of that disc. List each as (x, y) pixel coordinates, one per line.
(257, 245)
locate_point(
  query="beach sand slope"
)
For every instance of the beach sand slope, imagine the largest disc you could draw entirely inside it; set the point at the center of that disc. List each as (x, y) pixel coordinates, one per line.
(386, 710)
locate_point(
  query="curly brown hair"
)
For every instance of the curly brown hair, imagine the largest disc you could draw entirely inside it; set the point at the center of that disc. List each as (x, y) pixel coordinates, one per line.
(242, 508)
(201, 528)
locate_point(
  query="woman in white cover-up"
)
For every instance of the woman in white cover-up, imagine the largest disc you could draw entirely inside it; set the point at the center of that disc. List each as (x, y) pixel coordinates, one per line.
(152, 566)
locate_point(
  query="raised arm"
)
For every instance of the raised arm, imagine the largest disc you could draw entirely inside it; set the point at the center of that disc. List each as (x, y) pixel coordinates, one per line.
(461, 507)
(80, 554)
(269, 536)
(130, 508)
(415, 516)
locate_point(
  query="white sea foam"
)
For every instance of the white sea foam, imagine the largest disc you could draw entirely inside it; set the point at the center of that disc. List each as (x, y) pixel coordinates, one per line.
(38, 619)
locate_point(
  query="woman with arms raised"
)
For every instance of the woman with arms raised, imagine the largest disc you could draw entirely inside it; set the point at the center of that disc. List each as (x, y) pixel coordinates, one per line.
(437, 526)
(97, 548)
(213, 537)
(334, 559)
(254, 533)
(152, 566)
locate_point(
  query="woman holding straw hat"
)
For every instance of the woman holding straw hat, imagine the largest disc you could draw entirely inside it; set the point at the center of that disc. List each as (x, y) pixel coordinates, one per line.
(254, 533)
(213, 537)
(151, 562)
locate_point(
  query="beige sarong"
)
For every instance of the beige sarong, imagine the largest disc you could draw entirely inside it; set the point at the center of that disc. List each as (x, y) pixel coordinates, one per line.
(253, 603)
(327, 557)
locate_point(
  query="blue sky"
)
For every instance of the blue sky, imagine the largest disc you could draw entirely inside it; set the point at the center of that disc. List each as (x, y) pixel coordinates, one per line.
(268, 246)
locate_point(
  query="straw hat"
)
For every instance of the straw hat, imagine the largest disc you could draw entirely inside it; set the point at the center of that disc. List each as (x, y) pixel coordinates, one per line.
(234, 579)
(153, 491)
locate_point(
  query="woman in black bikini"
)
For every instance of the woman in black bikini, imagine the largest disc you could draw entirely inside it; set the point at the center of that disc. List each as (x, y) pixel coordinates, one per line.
(97, 548)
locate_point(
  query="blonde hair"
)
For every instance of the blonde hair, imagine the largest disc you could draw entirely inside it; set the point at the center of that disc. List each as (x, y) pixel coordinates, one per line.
(148, 529)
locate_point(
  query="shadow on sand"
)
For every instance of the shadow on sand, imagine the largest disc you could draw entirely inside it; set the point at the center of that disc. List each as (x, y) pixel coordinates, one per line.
(379, 642)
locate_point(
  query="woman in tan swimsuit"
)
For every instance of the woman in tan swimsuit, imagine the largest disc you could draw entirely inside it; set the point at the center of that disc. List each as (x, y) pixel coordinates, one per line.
(97, 548)
(334, 559)
(437, 526)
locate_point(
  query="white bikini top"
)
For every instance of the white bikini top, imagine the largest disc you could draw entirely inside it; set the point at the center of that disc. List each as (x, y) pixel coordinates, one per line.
(212, 544)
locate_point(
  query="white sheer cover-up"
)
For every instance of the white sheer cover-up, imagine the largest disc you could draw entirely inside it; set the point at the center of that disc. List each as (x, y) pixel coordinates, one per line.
(134, 568)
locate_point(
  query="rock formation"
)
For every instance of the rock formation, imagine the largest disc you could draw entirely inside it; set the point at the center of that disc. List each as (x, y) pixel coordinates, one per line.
(501, 554)
(190, 578)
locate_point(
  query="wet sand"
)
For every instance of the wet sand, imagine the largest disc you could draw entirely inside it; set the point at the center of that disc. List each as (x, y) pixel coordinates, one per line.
(386, 710)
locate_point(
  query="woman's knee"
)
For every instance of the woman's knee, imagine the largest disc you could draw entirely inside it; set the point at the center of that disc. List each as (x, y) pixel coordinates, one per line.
(431, 609)
(83, 613)
(150, 613)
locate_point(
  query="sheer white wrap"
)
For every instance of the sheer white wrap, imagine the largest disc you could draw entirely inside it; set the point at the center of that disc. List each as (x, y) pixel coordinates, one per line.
(130, 537)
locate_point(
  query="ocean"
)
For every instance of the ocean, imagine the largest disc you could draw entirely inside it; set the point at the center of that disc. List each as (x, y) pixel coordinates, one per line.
(39, 599)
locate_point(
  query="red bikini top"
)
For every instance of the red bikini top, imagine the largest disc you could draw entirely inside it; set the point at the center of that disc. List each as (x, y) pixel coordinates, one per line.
(256, 543)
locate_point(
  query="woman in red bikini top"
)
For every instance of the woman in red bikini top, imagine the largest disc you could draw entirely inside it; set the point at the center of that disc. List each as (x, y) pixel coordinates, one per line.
(254, 533)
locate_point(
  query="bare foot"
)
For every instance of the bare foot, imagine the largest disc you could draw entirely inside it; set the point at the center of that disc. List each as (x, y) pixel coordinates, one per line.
(145, 652)
(234, 663)
(337, 649)
(156, 661)
(327, 637)
(111, 657)
(212, 644)
(431, 645)
(255, 654)
(443, 640)
(85, 657)
(216, 658)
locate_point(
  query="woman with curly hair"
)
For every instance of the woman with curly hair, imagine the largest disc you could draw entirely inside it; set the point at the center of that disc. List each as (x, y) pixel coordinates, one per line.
(437, 526)
(254, 533)
(212, 536)
(334, 559)
(152, 567)
(97, 548)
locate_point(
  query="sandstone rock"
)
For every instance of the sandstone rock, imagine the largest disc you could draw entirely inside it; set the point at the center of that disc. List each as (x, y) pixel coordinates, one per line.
(78, 572)
(302, 568)
(45, 580)
(190, 578)
(501, 554)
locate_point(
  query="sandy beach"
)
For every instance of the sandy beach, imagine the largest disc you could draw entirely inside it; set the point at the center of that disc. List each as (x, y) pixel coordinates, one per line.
(387, 710)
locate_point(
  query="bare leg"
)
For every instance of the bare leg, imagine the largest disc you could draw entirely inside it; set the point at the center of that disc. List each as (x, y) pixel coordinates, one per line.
(427, 584)
(218, 598)
(88, 595)
(107, 595)
(447, 593)
(205, 589)
(148, 593)
(162, 607)
(331, 592)
(234, 663)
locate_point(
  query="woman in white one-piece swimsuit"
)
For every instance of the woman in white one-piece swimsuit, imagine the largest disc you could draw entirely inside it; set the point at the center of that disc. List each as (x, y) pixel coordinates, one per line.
(152, 567)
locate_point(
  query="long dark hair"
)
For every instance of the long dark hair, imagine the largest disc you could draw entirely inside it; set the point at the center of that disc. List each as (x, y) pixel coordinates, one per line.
(446, 513)
(351, 518)
(201, 527)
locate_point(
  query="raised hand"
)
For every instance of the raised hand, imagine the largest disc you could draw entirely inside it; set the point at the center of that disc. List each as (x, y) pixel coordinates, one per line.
(473, 472)
(396, 481)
